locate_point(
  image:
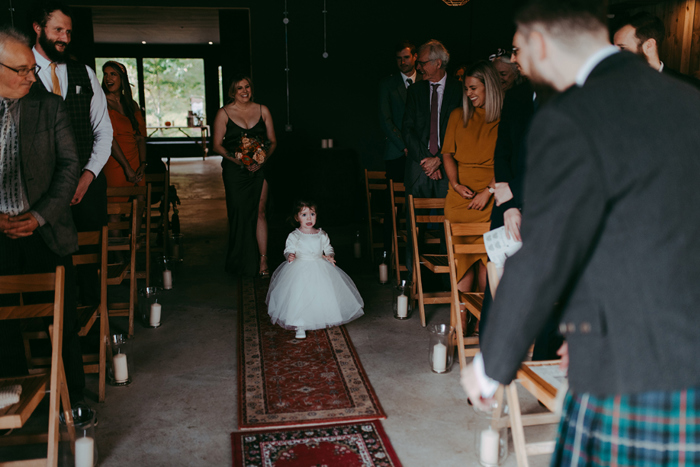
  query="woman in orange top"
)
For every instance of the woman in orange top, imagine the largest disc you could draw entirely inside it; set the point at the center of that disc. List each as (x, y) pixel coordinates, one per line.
(127, 166)
(470, 141)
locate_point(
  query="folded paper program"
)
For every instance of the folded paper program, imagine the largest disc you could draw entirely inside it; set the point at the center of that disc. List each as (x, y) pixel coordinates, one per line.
(9, 395)
(499, 247)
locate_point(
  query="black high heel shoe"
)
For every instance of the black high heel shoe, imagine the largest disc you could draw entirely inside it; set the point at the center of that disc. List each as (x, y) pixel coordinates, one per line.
(265, 273)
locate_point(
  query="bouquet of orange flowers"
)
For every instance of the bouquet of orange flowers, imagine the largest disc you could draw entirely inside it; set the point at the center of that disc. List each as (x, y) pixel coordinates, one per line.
(251, 150)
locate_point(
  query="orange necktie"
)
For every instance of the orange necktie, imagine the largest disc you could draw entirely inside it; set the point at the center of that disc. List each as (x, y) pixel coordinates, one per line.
(54, 80)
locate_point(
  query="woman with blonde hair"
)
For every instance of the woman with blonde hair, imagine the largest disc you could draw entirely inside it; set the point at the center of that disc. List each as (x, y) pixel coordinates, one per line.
(469, 144)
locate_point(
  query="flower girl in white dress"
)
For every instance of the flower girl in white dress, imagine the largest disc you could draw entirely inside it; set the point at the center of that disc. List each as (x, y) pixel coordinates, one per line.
(308, 291)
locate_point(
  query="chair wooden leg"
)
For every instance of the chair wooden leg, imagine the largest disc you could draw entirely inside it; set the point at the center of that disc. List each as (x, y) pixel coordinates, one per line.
(456, 322)
(516, 425)
(104, 341)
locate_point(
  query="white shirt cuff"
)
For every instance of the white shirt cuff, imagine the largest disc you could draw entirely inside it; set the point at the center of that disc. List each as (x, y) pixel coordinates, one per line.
(487, 386)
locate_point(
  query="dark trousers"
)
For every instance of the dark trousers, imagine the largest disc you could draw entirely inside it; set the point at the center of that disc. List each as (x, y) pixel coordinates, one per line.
(30, 255)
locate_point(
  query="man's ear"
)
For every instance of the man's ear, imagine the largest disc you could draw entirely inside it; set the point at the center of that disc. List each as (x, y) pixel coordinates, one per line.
(36, 27)
(650, 48)
(538, 45)
(438, 62)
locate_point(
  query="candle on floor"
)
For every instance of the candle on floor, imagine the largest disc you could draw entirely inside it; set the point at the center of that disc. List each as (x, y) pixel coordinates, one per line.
(167, 279)
(439, 357)
(357, 250)
(383, 273)
(84, 452)
(330, 143)
(154, 319)
(121, 371)
(324, 144)
(402, 306)
(489, 446)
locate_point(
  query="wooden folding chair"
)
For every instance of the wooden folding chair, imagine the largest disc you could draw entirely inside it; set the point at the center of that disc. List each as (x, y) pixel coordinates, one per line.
(472, 301)
(543, 388)
(397, 194)
(34, 386)
(375, 188)
(436, 263)
(118, 273)
(160, 190)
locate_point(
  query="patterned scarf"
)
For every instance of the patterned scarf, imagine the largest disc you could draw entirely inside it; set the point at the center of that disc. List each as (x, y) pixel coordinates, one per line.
(11, 199)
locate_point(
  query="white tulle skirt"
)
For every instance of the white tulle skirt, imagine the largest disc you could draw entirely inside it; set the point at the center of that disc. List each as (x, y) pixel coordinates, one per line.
(312, 294)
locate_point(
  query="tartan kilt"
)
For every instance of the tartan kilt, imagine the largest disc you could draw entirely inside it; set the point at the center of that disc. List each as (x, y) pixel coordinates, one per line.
(651, 429)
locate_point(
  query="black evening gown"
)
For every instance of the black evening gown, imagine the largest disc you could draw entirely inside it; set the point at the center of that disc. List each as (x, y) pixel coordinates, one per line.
(243, 191)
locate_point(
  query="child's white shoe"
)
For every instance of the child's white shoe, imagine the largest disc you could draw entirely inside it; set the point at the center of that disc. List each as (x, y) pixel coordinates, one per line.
(301, 334)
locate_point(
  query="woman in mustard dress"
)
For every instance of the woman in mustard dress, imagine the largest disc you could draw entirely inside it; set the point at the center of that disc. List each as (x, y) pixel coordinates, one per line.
(469, 144)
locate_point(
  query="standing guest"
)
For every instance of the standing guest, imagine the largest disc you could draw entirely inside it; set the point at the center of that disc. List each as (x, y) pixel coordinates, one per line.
(602, 188)
(507, 70)
(470, 140)
(643, 34)
(86, 105)
(459, 72)
(127, 166)
(392, 102)
(38, 176)
(238, 123)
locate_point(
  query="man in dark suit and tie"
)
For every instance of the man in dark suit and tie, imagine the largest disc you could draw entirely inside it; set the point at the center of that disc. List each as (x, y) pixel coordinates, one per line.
(610, 233)
(392, 102)
(643, 34)
(38, 177)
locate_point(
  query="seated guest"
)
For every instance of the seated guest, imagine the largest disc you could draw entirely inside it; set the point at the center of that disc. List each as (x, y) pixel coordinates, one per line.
(642, 34)
(467, 153)
(38, 177)
(507, 70)
(127, 165)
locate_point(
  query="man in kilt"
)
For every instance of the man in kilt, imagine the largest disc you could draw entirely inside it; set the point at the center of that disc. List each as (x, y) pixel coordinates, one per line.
(611, 234)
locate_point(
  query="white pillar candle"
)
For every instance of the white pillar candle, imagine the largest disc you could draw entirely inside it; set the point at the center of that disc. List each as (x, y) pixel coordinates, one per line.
(357, 250)
(439, 357)
(121, 371)
(383, 273)
(324, 144)
(155, 314)
(84, 452)
(489, 446)
(167, 279)
(330, 143)
(402, 306)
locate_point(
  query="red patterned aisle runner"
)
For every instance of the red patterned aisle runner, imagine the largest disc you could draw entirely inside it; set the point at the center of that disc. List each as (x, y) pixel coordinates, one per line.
(347, 445)
(288, 382)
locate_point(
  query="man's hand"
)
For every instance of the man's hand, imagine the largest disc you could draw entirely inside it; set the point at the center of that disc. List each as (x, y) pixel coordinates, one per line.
(471, 387)
(502, 193)
(84, 182)
(437, 175)
(511, 219)
(563, 352)
(430, 165)
(291, 257)
(21, 226)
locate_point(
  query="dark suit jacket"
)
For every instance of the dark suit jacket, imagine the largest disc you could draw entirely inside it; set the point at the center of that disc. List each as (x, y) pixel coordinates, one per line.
(392, 102)
(509, 156)
(610, 231)
(50, 166)
(680, 76)
(416, 125)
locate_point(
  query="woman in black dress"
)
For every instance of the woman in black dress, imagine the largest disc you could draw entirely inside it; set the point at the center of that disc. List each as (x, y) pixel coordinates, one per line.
(246, 187)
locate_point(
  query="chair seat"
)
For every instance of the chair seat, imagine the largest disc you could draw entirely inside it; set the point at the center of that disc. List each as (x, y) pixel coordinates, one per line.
(33, 389)
(438, 264)
(473, 302)
(435, 298)
(86, 318)
(116, 273)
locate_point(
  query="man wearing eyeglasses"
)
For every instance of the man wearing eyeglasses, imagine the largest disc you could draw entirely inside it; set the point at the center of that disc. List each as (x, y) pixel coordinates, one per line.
(38, 176)
(86, 105)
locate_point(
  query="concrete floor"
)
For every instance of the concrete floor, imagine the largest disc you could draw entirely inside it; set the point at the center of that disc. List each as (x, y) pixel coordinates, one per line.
(182, 404)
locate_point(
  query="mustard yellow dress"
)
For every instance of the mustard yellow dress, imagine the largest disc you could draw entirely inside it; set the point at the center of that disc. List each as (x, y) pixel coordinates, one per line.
(473, 149)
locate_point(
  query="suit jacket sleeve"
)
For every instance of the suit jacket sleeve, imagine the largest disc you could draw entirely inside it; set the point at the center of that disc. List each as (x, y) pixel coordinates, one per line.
(417, 149)
(57, 198)
(386, 119)
(566, 208)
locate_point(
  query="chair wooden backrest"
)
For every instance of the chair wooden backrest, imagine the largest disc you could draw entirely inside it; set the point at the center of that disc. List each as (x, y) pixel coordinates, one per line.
(397, 196)
(375, 183)
(118, 273)
(436, 263)
(472, 301)
(160, 224)
(34, 386)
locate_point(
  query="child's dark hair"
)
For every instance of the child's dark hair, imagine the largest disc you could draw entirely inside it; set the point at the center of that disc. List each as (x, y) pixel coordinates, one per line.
(298, 206)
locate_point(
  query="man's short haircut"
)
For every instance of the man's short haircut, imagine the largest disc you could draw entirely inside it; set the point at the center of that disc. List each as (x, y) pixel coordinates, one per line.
(9, 34)
(564, 20)
(41, 11)
(646, 26)
(436, 51)
(405, 45)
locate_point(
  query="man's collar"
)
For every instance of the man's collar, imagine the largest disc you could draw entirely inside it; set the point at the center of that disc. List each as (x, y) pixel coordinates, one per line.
(661, 68)
(42, 61)
(593, 62)
(411, 77)
(441, 82)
